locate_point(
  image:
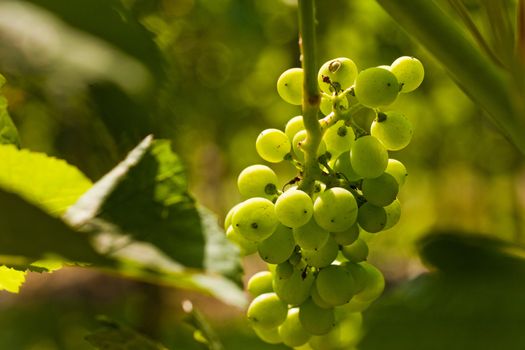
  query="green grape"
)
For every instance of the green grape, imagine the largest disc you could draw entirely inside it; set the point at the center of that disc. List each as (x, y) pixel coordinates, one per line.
(335, 210)
(271, 268)
(255, 219)
(292, 331)
(368, 157)
(246, 246)
(393, 213)
(344, 166)
(267, 311)
(298, 143)
(344, 336)
(364, 117)
(409, 72)
(260, 283)
(358, 273)
(356, 252)
(278, 247)
(381, 190)
(283, 270)
(310, 236)
(290, 86)
(323, 256)
(295, 288)
(228, 218)
(257, 181)
(335, 285)
(268, 335)
(314, 294)
(346, 237)
(293, 126)
(328, 105)
(371, 218)
(273, 145)
(397, 170)
(316, 320)
(294, 208)
(374, 283)
(339, 138)
(393, 129)
(356, 305)
(375, 87)
(339, 73)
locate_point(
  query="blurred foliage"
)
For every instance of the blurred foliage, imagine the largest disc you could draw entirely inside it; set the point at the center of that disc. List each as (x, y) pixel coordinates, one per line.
(87, 80)
(473, 299)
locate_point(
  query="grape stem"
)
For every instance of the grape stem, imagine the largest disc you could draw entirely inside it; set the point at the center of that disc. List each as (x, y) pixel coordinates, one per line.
(311, 95)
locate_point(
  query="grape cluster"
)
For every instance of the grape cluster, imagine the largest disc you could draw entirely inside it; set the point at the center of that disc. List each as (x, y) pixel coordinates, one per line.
(315, 243)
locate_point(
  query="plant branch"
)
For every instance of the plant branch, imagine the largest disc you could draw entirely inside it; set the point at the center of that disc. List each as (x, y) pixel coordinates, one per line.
(311, 95)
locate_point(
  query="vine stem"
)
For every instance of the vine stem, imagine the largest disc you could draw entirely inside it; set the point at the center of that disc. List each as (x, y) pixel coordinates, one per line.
(311, 95)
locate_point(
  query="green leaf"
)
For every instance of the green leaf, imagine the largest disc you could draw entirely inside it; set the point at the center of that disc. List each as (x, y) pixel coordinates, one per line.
(47, 182)
(29, 232)
(8, 131)
(11, 279)
(142, 215)
(473, 299)
(485, 83)
(113, 336)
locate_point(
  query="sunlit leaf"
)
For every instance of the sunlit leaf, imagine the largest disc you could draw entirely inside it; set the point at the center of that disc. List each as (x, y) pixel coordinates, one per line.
(10, 279)
(45, 181)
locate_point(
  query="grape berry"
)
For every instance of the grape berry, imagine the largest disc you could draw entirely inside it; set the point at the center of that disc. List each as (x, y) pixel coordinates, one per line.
(318, 280)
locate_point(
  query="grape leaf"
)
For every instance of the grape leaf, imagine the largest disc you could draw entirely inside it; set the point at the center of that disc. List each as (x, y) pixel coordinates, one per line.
(11, 279)
(113, 336)
(473, 299)
(143, 216)
(8, 131)
(29, 232)
(45, 181)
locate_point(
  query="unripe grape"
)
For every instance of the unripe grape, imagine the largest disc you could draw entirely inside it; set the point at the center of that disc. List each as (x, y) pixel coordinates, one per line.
(409, 73)
(344, 166)
(397, 170)
(228, 218)
(339, 138)
(381, 190)
(255, 219)
(278, 247)
(283, 270)
(371, 217)
(393, 213)
(257, 181)
(260, 283)
(340, 72)
(267, 311)
(335, 285)
(268, 335)
(356, 252)
(292, 331)
(328, 105)
(298, 144)
(335, 209)
(310, 236)
(293, 126)
(246, 246)
(358, 273)
(364, 117)
(368, 157)
(375, 87)
(295, 288)
(316, 320)
(290, 86)
(294, 208)
(356, 305)
(393, 129)
(272, 145)
(314, 294)
(323, 256)
(374, 283)
(344, 336)
(346, 237)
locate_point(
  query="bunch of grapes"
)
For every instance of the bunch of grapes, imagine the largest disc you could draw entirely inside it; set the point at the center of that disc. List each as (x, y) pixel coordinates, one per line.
(314, 241)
